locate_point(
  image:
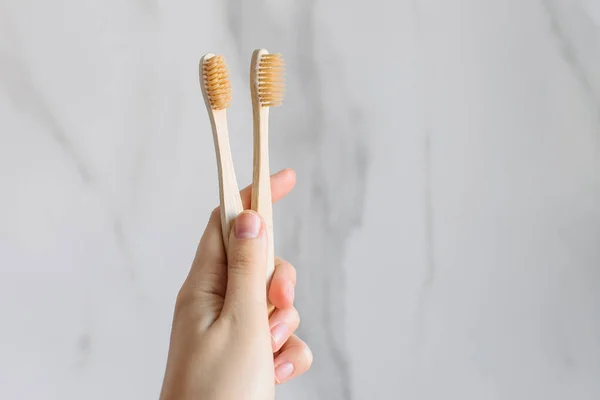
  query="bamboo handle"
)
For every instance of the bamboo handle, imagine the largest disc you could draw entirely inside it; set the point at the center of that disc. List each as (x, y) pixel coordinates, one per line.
(229, 194)
(261, 181)
(261, 176)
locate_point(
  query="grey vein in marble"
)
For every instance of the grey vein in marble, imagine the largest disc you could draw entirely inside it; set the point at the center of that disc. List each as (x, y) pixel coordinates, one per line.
(576, 45)
(19, 84)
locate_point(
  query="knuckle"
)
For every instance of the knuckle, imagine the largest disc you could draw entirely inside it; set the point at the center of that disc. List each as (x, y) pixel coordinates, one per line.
(281, 263)
(214, 217)
(292, 274)
(185, 301)
(285, 269)
(242, 265)
(241, 260)
(308, 356)
(293, 319)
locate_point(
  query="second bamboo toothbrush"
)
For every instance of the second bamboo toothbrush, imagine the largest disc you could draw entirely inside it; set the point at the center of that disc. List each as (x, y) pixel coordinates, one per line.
(266, 87)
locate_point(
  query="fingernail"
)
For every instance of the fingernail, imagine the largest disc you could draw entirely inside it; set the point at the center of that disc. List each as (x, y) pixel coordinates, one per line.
(284, 371)
(278, 334)
(247, 226)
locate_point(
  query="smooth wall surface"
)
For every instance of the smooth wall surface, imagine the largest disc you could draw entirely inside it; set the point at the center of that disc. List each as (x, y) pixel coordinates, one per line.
(445, 225)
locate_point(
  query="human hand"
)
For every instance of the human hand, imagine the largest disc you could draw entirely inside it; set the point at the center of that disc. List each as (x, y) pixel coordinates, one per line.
(224, 346)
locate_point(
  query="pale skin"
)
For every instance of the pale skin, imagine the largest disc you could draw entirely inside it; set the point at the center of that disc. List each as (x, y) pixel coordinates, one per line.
(224, 345)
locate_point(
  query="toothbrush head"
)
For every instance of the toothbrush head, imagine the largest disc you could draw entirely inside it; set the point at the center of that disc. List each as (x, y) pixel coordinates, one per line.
(215, 81)
(270, 79)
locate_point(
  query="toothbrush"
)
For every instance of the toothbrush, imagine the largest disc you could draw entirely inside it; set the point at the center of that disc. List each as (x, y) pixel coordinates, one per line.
(216, 90)
(266, 87)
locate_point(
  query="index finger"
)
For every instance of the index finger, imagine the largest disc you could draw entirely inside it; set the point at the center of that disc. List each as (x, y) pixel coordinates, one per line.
(282, 183)
(210, 256)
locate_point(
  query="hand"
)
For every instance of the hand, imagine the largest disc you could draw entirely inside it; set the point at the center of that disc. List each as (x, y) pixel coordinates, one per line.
(223, 345)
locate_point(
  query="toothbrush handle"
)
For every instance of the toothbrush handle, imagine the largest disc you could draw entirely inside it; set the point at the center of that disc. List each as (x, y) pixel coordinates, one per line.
(261, 181)
(229, 194)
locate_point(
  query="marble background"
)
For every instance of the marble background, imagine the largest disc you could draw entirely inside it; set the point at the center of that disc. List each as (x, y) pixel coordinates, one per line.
(445, 225)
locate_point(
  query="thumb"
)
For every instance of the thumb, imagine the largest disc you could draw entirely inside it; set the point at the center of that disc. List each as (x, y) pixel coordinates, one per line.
(246, 272)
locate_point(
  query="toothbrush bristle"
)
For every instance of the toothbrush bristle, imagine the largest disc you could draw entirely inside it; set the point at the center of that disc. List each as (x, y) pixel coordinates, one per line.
(271, 80)
(216, 82)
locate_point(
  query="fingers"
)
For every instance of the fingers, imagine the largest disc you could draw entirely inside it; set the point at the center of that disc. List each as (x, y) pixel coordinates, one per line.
(206, 282)
(246, 268)
(208, 272)
(210, 256)
(282, 183)
(283, 283)
(283, 324)
(294, 359)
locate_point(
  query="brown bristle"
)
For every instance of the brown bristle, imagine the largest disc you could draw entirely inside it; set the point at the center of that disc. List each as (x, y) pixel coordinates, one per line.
(216, 82)
(271, 79)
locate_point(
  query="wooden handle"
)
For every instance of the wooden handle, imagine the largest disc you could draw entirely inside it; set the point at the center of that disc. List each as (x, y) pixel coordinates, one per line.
(261, 176)
(229, 193)
(261, 181)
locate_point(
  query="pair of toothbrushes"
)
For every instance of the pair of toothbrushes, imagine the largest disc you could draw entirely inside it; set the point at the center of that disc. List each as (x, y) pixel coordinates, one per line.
(266, 88)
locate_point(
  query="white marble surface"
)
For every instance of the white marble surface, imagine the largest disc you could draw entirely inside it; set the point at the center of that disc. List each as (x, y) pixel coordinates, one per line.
(445, 226)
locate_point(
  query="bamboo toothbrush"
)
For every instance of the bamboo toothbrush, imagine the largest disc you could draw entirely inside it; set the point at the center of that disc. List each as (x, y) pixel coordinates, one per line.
(266, 87)
(216, 90)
